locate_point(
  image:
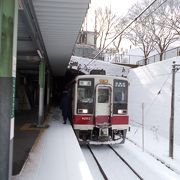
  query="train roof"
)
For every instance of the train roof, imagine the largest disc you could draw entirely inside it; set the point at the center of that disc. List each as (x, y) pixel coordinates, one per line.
(99, 75)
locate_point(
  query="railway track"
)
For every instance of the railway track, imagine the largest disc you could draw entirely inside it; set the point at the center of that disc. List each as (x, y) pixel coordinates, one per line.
(104, 172)
(98, 164)
(133, 170)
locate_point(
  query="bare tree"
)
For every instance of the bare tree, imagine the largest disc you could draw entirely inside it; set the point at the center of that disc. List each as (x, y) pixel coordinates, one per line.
(99, 25)
(105, 21)
(164, 35)
(139, 33)
(152, 30)
(121, 23)
(172, 15)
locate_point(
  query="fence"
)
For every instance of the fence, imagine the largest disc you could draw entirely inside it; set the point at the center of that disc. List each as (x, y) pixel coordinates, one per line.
(155, 58)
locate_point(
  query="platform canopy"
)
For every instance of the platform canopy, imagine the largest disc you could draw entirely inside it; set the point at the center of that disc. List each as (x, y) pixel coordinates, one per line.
(50, 27)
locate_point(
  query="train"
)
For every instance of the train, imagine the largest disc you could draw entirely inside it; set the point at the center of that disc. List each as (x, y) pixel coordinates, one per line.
(99, 109)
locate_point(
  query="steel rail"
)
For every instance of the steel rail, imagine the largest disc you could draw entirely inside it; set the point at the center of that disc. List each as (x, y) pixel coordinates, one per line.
(125, 162)
(99, 166)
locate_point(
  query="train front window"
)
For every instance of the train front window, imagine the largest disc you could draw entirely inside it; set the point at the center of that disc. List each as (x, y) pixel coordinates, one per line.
(103, 95)
(85, 96)
(120, 91)
(120, 95)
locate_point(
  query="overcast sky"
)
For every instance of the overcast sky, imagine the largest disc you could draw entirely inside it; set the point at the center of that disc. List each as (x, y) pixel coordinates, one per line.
(119, 6)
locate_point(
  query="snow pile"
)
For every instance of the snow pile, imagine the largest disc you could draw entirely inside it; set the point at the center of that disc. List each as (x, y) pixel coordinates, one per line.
(134, 55)
(85, 65)
(150, 86)
(56, 155)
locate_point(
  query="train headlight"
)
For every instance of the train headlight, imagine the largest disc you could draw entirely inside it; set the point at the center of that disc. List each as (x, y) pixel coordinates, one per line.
(83, 111)
(120, 111)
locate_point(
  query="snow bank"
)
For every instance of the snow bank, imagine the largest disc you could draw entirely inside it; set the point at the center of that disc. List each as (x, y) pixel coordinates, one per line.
(151, 85)
(86, 64)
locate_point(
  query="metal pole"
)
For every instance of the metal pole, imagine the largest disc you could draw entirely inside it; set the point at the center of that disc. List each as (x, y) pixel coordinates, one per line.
(143, 127)
(7, 9)
(48, 89)
(171, 127)
(41, 92)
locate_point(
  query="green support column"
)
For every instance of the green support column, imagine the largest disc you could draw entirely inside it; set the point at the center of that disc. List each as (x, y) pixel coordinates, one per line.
(42, 68)
(14, 62)
(8, 35)
(48, 89)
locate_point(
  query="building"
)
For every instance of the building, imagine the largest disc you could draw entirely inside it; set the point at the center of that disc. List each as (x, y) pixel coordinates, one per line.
(86, 45)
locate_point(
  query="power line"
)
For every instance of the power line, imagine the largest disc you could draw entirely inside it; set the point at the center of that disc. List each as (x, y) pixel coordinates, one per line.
(156, 8)
(156, 95)
(135, 19)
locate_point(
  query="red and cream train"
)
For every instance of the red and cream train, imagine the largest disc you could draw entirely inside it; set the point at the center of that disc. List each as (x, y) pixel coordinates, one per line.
(99, 109)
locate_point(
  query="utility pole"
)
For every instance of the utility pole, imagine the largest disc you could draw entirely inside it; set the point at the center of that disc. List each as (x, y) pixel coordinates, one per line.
(48, 89)
(175, 68)
(143, 127)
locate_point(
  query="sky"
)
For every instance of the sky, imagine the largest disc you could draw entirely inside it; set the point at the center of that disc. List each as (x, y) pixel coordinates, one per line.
(118, 6)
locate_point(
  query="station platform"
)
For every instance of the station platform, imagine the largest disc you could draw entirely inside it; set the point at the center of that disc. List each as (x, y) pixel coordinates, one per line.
(56, 154)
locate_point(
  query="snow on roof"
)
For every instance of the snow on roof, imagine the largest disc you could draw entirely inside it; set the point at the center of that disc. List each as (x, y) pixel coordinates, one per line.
(86, 65)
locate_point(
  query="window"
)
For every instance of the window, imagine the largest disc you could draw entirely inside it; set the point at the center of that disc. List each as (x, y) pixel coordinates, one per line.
(103, 95)
(85, 95)
(120, 91)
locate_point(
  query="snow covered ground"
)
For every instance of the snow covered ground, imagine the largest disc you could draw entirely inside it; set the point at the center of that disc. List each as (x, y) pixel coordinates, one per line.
(143, 163)
(151, 85)
(56, 155)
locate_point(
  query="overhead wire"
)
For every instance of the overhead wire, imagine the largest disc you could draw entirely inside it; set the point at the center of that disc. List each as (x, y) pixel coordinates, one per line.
(135, 19)
(151, 104)
(156, 95)
(159, 92)
(150, 13)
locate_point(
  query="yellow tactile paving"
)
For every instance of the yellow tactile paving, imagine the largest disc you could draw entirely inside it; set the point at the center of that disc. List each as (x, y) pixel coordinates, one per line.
(28, 127)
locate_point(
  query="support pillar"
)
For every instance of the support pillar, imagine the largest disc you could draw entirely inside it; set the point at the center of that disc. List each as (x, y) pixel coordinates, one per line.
(8, 41)
(42, 68)
(48, 89)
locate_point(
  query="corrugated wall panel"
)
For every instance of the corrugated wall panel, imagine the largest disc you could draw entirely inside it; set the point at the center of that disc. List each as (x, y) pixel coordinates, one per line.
(60, 22)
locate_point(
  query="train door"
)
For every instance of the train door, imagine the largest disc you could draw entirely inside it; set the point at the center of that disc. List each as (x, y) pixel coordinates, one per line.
(103, 105)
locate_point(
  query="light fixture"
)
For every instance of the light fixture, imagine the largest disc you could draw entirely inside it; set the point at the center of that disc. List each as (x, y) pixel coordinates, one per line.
(120, 111)
(83, 111)
(20, 5)
(39, 53)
